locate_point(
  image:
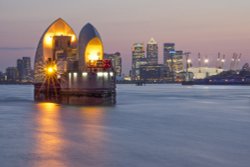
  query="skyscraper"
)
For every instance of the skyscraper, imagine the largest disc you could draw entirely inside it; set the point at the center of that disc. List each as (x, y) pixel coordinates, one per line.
(178, 66)
(168, 52)
(24, 69)
(116, 62)
(138, 59)
(20, 69)
(178, 62)
(27, 69)
(152, 52)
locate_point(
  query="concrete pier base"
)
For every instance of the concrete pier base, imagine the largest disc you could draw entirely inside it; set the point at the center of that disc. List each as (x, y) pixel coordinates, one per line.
(89, 97)
(47, 93)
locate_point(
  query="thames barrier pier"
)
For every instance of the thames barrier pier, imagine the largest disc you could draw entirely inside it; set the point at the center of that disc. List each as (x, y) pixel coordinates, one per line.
(73, 71)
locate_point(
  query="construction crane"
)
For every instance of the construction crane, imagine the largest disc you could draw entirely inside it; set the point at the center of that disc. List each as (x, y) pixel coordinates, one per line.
(232, 61)
(199, 62)
(218, 61)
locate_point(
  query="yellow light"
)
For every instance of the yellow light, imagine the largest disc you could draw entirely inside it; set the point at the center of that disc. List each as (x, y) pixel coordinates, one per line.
(48, 40)
(51, 70)
(73, 38)
(93, 56)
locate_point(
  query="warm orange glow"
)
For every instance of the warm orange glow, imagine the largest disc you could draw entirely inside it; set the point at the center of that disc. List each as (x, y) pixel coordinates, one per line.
(48, 107)
(94, 56)
(48, 40)
(73, 38)
(94, 51)
(49, 142)
(51, 69)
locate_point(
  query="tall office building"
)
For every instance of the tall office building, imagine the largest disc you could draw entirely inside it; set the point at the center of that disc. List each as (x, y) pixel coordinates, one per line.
(27, 69)
(152, 52)
(168, 52)
(24, 69)
(116, 62)
(138, 59)
(178, 65)
(20, 69)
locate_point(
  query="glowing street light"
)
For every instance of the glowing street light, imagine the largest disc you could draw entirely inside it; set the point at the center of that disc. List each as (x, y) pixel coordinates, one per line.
(206, 61)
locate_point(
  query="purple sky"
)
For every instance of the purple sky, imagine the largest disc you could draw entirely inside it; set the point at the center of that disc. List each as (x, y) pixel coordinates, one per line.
(195, 25)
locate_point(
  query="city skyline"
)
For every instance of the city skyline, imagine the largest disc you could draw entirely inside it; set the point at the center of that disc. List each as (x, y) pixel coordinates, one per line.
(196, 26)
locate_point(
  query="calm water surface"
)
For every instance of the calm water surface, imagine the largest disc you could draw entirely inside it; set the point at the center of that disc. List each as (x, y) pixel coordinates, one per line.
(151, 126)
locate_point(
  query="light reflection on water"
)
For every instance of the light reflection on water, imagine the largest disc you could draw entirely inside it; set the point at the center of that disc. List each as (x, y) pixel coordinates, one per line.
(49, 143)
(51, 137)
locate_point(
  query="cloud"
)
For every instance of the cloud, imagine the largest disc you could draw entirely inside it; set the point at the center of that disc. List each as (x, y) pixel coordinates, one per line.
(16, 48)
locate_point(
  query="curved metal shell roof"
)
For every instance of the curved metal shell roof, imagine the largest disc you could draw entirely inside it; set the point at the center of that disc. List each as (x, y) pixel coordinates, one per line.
(87, 33)
(59, 26)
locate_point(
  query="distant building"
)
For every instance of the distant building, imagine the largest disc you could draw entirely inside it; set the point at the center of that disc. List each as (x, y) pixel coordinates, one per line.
(12, 74)
(138, 59)
(174, 61)
(2, 76)
(203, 72)
(168, 52)
(152, 52)
(178, 66)
(20, 69)
(24, 69)
(116, 62)
(27, 69)
(153, 73)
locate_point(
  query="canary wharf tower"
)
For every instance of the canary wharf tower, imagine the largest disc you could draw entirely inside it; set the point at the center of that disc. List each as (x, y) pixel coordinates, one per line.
(152, 52)
(72, 71)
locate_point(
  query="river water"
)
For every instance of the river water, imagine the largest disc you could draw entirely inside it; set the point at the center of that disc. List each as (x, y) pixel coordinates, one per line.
(151, 126)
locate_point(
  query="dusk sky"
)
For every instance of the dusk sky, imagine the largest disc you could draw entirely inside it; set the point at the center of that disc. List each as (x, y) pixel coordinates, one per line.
(206, 26)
